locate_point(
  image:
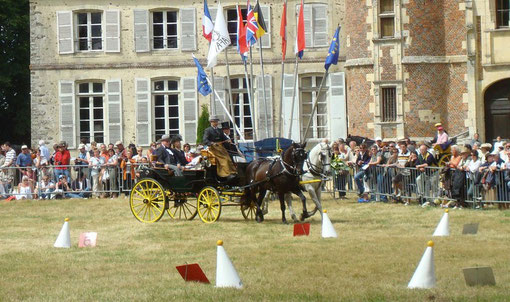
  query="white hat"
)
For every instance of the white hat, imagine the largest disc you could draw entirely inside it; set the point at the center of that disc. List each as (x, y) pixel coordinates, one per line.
(118, 143)
(81, 146)
(24, 147)
(41, 142)
(486, 145)
(378, 139)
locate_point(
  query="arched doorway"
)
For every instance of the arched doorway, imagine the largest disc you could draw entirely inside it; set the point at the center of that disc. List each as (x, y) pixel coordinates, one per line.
(497, 110)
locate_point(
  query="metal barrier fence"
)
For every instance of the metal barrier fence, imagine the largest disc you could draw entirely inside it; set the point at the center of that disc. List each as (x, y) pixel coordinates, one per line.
(433, 185)
(69, 181)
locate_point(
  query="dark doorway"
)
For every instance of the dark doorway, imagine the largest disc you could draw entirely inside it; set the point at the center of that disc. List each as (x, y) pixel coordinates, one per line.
(497, 110)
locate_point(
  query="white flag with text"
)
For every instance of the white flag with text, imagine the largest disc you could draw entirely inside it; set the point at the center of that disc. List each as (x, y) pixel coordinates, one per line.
(220, 38)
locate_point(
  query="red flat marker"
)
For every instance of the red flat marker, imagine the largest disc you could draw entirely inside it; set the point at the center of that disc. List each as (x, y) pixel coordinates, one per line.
(192, 273)
(302, 229)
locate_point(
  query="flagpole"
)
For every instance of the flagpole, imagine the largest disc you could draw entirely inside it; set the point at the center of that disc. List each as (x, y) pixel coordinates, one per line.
(293, 97)
(316, 103)
(250, 84)
(280, 110)
(251, 107)
(264, 88)
(226, 111)
(229, 87)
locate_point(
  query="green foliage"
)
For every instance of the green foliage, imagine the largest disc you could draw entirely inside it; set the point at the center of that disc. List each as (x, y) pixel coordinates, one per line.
(203, 123)
(14, 71)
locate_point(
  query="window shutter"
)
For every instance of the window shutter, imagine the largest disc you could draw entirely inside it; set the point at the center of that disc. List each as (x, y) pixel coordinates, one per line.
(67, 113)
(266, 39)
(190, 102)
(320, 25)
(288, 85)
(261, 107)
(188, 29)
(307, 16)
(114, 91)
(337, 106)
(143, 112)
(219, 86)
(141, 26)
(65, 32)
(112, 30)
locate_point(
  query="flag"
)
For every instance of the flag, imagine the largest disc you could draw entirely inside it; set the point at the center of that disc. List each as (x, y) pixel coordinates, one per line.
(242, 47)
(207, 24)
(262, 28)
(220, 38)
(332, 57)
(251, 26)
(301, 32)
(202, 84)
(283, 30)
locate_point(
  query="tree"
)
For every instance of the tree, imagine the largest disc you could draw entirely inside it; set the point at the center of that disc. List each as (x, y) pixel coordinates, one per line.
(203, 123)
(14, 71)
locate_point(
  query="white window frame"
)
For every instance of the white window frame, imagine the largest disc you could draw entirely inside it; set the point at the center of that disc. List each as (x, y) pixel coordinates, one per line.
(166, 93)
(500, 11)
(165, 29)
(89, 31)
(91, 95)
(233, 36)
(241, 92)
(314, 90)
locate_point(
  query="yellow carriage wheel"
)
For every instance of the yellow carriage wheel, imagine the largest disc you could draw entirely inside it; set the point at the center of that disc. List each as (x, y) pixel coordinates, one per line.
(147, 200)
(209, 205)
(443, 160)
(182, 208)
(249, 210)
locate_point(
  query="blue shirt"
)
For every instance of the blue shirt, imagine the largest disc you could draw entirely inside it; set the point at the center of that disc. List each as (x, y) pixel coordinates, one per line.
(24, 160)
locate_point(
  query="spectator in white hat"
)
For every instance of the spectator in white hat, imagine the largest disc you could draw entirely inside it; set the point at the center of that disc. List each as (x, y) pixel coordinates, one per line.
(379, 143)
(45, 152)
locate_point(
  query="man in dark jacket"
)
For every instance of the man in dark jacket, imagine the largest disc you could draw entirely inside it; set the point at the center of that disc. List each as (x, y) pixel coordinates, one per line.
(166, 157)
(180, 156)
(214, 138)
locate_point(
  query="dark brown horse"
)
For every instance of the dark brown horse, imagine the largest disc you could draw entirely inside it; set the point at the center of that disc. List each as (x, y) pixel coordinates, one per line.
(281, 175)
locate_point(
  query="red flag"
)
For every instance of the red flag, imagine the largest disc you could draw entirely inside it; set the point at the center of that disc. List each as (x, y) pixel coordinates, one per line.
(242, 47)
(301, 32)
(192, 272)
(302, 229)
(283, 30)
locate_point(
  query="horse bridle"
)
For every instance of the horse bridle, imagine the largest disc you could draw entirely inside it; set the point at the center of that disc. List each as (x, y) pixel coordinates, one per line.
(314, 169)
(287, 167)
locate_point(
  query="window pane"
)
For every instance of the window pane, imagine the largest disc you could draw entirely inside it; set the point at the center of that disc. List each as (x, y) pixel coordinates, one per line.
(97, 44)
(98, 126)
(322, 108)
(82, 18)
(99, 137)
(84, 102)
(158, 43)
(97, 87)
(171, 17)
(96, 18)
(387, 6)
(96, 30)
(234, 83)
(158, 30)
(387, 28)
(172, 42)
(98, 102)
(159, 112)
(82, 31)
(232, 15)
(159, 100)
(98, 114)
(83, 44)
(160, 124)
(173, 112)
(173, 100)
(173, 85)
(84, 126)
(306, 82)
(171, 29)
(84, 88)
(157, 17)
(389, 105)
(84, 114)
(174, 123)
(159, 85)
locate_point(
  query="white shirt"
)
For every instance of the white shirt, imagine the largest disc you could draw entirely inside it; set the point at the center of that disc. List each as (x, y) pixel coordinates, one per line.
(10, 158)
(95, 163)
(473, 166)
(496, 147)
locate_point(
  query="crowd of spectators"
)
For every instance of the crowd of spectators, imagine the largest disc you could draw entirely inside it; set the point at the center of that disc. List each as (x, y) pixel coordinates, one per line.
(97, 170)
(393, 171)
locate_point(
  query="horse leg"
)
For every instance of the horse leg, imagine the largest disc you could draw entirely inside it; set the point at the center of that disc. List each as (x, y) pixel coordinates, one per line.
(315, 194)
(303, 200)
(260, 198)
(282, 206)
(288, 200)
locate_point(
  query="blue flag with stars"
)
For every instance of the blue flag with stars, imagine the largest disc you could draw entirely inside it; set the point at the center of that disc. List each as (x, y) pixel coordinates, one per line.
(202, 84)
(334, 49)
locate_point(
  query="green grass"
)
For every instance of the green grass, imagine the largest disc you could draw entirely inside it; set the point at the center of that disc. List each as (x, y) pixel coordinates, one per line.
(378, 249)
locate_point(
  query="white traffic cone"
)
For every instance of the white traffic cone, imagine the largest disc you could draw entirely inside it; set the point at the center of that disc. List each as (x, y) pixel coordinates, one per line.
(64, 237)
(328, 231)
(443, 228)
(425, 275)
(226, 274)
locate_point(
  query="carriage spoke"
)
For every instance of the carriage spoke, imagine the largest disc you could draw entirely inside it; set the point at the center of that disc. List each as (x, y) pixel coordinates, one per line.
(141, 209)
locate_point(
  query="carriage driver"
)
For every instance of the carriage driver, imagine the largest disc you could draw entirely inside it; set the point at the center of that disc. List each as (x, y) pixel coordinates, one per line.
(214, 138)
(167, 157)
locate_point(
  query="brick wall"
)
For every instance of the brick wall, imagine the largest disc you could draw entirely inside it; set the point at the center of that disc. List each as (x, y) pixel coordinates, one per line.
(358, 96)
(356, 28)
(389, 70)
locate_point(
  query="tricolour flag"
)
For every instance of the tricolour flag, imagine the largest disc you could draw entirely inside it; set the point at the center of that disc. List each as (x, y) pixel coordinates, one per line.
(251, 26)
(261, 24)
(301, 43)
(207, 24)
(334, 48)
(242, 47)
(202, 84)
(220, 38)
(283, 30)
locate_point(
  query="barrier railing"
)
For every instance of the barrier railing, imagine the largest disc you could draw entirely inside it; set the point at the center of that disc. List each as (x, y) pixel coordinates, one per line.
(447, 187)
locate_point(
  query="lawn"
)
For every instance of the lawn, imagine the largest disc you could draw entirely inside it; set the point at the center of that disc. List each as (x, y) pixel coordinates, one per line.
(378, 249)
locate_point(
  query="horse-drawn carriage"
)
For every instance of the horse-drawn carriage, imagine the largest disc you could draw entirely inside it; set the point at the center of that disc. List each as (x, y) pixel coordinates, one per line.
(198, 191)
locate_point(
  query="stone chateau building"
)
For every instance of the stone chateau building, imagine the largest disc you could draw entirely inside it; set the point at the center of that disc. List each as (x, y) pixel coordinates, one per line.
(123, 70)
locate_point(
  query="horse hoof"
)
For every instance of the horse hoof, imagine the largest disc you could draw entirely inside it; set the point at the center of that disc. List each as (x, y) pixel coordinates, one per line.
(303, 217)
(284, 221)
(294, 217)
